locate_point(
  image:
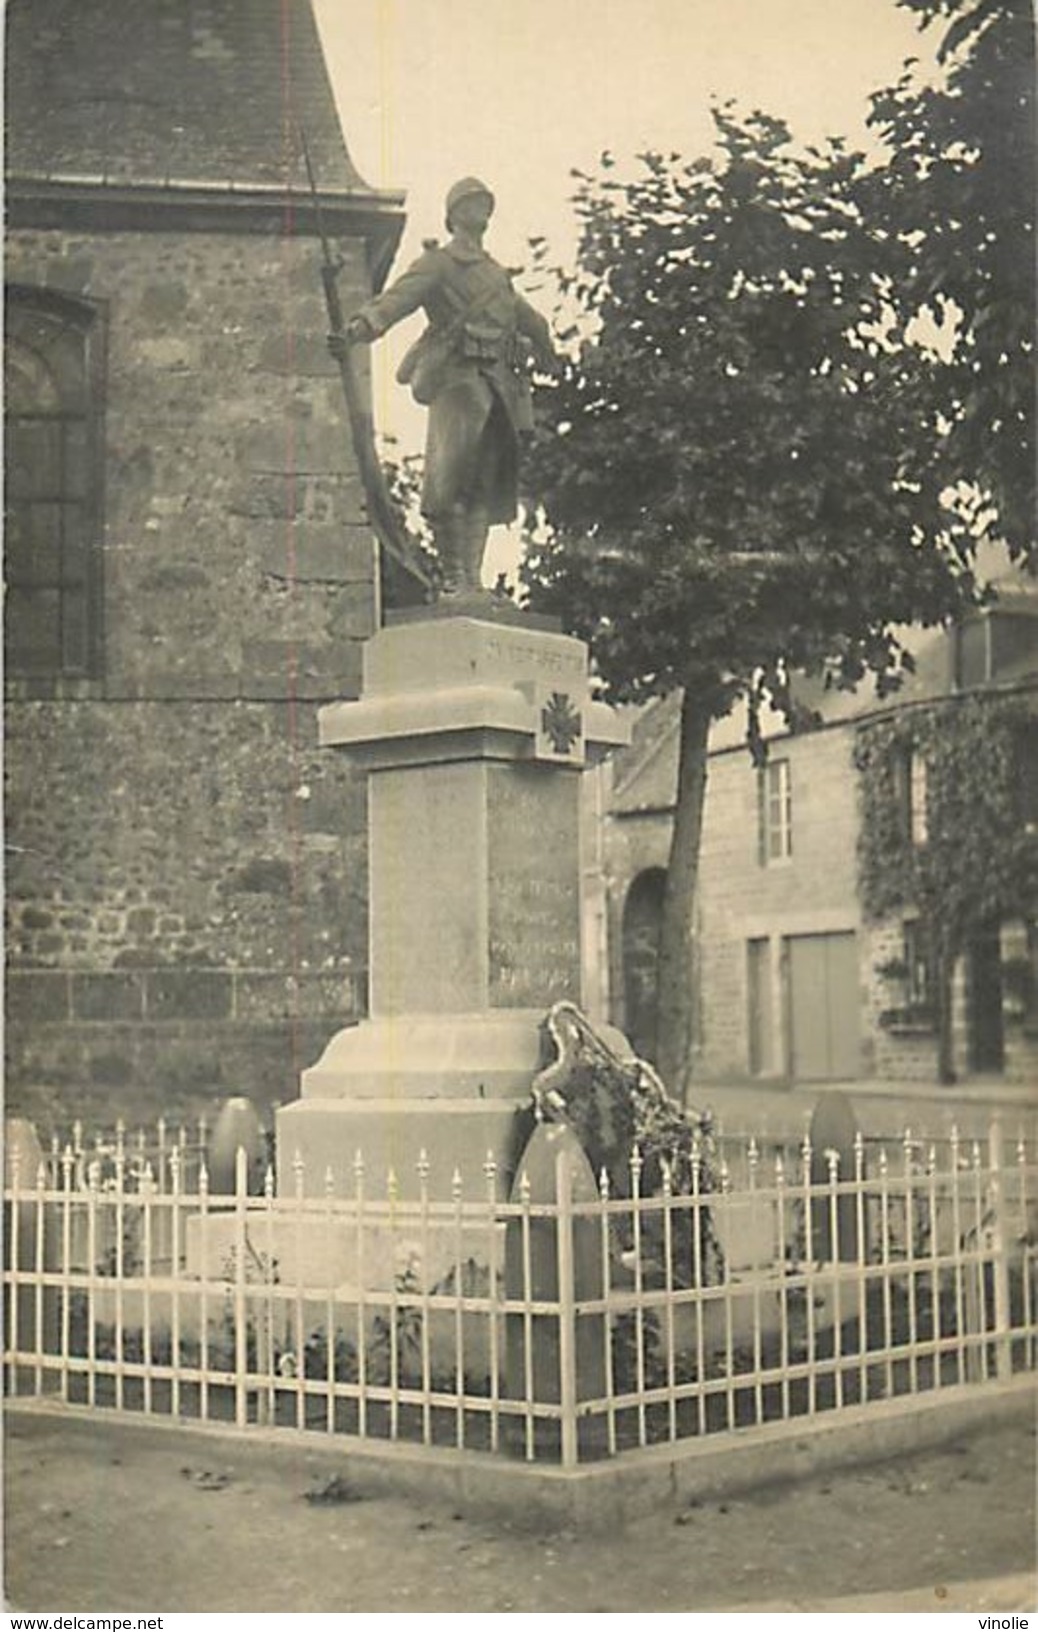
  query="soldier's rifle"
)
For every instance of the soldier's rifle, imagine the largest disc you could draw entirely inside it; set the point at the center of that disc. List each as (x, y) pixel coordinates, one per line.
(385, 519)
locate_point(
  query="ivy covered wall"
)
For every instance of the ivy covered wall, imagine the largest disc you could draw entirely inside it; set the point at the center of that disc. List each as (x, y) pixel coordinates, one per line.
(948, 846)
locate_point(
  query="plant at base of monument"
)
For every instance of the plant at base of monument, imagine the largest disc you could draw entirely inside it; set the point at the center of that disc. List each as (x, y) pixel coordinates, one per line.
(635, 1135)
(343, 1356)
(739, 475)
(635, 1340)
(978, 863)
(397, 1333)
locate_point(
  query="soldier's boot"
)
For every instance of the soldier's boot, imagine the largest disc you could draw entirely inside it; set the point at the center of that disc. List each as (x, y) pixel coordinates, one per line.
(449, 535)
(477, 526)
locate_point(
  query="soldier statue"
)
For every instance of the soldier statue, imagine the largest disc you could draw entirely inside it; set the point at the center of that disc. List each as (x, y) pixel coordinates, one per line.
(469, 368)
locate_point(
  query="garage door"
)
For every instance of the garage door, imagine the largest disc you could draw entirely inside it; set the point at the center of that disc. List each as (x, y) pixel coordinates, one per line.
(824, 1005)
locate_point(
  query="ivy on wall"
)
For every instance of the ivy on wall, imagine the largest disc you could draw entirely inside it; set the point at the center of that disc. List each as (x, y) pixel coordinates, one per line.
(977, 860)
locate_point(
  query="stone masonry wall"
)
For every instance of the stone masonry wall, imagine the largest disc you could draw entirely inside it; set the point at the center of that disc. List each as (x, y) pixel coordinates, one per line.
(905, 1052)
(186, 871)
(236, 559)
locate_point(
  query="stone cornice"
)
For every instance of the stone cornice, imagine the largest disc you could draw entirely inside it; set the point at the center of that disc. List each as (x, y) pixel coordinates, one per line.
(96, 204)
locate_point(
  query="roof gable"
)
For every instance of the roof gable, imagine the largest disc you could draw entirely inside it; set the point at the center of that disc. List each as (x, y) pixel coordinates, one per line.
(207, 92)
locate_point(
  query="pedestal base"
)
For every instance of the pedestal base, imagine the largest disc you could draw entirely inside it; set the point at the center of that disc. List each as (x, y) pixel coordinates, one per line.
(448, 1091)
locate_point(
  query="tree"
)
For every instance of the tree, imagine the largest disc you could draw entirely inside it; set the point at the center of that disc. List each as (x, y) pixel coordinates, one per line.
(953, 206)
(735, 474)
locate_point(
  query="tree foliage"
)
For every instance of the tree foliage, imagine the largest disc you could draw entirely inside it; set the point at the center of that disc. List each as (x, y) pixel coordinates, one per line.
(721, 465)
(952, 206)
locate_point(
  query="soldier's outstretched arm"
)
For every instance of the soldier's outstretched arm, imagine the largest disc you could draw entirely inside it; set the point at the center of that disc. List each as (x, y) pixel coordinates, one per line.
(411, 290)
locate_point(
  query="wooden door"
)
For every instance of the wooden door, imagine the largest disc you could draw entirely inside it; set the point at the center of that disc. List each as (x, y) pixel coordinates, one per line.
(824, 1007)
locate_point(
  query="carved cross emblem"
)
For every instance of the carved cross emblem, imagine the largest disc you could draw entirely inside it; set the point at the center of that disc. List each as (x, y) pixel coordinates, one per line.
(561, 722)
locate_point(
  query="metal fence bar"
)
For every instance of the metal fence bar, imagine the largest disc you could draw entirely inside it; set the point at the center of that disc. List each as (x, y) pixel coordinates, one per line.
(147, 1215)
(933, 1226)
(639, 1316)
(176, 1172)
(359, 1192)
(267, 1399)
(203, 1258)
(809, 1274)
(493, 1314)
(782, 1251)
(753, 1161)
(976, 1313)
(1027, 1235)
(241, 1335)
(958, 1269)
(67, 1161)
(425, 1244)
(885, 1258)
(607, 1322)
(999, 1252)
(835, 1244)
(527, 1316)
(668, 1307)
(861, 1244)
(567, 1309)
(457, 1191)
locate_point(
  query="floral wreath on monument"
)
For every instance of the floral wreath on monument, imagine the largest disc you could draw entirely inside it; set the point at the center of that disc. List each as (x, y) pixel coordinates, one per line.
(637, 1137)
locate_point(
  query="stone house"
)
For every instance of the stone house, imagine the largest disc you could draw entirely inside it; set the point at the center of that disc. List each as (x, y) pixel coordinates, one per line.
(796, 984)
(188, 566)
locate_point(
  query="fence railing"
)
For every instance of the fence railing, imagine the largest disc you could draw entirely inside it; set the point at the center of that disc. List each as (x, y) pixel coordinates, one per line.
(583, 1317)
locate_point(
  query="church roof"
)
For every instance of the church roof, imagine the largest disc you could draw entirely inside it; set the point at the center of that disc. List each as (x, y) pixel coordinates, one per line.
(188, 93)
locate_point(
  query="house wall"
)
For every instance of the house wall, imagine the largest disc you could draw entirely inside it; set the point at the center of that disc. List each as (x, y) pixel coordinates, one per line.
(812, 893)
(741, 899)
(186, 872)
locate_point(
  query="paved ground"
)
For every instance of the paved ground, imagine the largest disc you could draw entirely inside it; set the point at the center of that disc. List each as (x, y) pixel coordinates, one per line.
(108, 1519)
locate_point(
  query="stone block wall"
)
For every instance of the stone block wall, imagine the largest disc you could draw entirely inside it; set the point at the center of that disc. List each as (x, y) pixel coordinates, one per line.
(905, 1053)
(186, 872)
(236, 558)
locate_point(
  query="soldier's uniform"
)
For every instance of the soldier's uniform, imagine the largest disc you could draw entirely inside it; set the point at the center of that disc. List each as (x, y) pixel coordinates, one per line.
(469, 368)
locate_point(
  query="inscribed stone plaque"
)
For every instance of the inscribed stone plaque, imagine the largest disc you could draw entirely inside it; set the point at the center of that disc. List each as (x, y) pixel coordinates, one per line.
(533, 927)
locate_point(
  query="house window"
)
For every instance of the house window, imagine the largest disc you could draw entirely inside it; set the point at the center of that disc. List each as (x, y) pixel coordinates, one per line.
(912, 795)
(776, 812)
(918, 966)
(917, 828)
(52, 493)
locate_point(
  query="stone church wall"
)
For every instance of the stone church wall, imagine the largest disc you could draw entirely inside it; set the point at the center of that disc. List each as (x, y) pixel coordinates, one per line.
(185, 870)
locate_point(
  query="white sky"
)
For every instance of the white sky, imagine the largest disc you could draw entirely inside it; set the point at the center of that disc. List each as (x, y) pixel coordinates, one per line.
(520, 91)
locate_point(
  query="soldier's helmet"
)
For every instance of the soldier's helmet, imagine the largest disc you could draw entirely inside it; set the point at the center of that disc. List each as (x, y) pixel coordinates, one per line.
(465, 189)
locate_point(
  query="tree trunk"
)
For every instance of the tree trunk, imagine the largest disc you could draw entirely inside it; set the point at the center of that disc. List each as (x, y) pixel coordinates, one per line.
(945, 1040)
(678, 996)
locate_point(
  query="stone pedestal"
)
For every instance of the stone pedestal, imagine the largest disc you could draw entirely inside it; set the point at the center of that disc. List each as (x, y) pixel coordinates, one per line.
(473, 731)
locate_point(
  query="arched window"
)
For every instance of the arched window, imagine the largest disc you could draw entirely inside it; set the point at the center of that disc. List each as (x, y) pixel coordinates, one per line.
(53, 400)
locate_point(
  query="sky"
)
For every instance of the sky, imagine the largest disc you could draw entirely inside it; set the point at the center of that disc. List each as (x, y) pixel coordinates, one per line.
(518, 92)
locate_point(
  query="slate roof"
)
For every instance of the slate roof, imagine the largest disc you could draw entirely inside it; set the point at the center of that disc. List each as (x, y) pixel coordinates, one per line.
(172, 92)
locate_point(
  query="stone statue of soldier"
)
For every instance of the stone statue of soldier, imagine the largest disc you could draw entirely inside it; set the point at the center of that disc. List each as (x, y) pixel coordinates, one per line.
(469, 368)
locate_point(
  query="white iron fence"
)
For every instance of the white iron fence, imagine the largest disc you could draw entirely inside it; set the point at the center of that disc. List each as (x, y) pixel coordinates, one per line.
(575, 1320)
